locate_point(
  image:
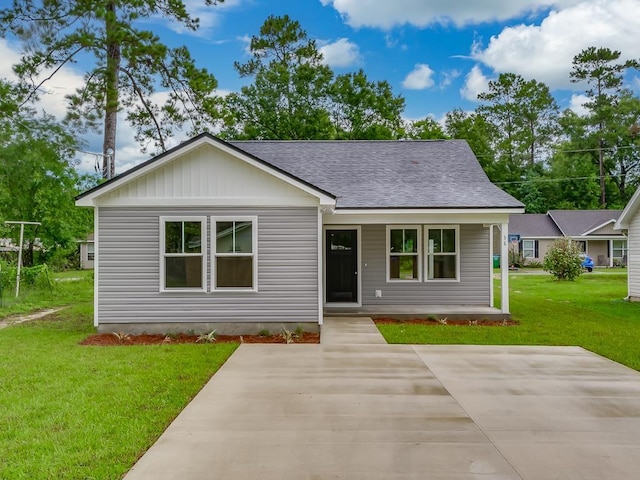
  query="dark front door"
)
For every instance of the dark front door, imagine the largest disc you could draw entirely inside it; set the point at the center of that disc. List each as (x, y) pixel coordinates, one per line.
(342, 265)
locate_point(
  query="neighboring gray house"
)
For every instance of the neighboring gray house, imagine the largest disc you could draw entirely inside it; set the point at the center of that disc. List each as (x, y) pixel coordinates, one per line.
(629, 222)
(248, 235)
(593, 230)
(87, 252)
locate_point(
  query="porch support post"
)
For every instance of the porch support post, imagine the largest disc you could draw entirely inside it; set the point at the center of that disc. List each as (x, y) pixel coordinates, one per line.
(491, 252)
(320, 269)
(504, 267)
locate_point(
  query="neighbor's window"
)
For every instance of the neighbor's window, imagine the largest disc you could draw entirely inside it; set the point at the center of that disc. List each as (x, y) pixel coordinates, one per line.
(403, 253)
(234, 246)
(442, 252)
(530, 248)
(619, 249)
(90, 251)
(183, 256)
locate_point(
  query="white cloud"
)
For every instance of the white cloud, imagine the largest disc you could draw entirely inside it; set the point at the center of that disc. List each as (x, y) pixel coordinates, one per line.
(341, 53)
(448, 78)
(421, 13)
(420, 78)
(475, 83)
(577, 104)
(545, 52)
(208, 16)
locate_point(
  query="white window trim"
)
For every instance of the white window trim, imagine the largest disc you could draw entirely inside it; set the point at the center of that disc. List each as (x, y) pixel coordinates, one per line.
(427, 255)
(203, 245)
(533, 248)
(254, 254)
(418, 253)
(624, 249)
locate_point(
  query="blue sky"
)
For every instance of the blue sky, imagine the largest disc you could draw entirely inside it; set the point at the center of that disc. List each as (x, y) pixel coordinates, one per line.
(437, 54)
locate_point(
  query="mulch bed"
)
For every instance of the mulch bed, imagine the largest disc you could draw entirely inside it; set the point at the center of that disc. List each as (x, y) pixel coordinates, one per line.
(110, 339)
(453, 322)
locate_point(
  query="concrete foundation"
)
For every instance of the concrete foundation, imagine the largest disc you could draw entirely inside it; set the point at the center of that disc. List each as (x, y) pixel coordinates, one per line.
(227, 328)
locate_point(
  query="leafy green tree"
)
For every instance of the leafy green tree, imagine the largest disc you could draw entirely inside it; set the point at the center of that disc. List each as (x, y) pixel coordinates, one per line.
(38, 182)
(129, 65)
(563, 260)
(362, 109)
(425, 129)
(524, 113)
(603, 73)
(289, 96)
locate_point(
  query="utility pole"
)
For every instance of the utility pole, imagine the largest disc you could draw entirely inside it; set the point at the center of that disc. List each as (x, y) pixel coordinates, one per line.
(22, 224)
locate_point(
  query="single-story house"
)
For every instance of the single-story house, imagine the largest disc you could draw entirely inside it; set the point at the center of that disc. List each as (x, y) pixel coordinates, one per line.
(532, 234)
(246, 235)
(87, 252)
(629, 222)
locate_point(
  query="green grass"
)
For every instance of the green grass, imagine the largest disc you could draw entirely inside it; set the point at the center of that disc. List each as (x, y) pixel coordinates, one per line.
(76, 412)
(589, 313)
(64, 288)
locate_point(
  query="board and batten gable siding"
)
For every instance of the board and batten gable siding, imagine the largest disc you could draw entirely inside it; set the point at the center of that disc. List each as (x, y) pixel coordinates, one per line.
(207, 176)
(472, 289)
(633, 260)
(129, 269)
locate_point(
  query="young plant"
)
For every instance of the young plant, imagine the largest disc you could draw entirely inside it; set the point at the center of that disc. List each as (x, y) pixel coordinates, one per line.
(207, 337)
(122, 336)
(287, 335)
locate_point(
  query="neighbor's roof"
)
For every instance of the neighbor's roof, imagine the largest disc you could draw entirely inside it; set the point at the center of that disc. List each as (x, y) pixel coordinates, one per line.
(533, 225)
(575, 223)
(387, 174)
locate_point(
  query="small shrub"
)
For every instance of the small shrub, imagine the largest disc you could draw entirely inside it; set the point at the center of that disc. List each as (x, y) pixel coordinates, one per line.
(563, 260)
(122, 336)
(264, 333)
(287, 335)
(207, 337)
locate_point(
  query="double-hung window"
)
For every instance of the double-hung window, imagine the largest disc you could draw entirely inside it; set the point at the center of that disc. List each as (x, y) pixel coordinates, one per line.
(619, 249)
(234, 241)
(182, 241)
(442, 252)
(403, 253)
(530, 248)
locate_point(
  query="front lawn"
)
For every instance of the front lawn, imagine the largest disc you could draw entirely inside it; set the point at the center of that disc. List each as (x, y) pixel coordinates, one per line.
(77, 412)
(589, 312)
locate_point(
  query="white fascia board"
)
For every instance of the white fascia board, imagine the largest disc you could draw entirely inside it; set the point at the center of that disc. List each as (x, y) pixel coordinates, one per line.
(419, 216)
(627, 214)
(598, 238)
(92, 199)
(613, 220)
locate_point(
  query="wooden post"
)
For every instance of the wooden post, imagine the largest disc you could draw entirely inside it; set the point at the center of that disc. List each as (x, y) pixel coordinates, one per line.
(22, 224)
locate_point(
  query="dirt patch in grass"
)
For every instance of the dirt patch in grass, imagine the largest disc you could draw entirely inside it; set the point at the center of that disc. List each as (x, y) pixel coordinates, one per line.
(117, 339)
(445, 321)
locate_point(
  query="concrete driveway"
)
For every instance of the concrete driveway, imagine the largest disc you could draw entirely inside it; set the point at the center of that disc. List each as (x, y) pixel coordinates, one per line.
(355, 408)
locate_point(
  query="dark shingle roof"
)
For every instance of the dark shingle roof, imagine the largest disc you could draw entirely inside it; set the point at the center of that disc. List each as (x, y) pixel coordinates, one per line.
(533, 225)
(387, 174)
(574, 223)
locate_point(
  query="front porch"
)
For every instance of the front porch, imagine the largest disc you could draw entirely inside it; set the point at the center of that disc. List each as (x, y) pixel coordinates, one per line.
(453, 312)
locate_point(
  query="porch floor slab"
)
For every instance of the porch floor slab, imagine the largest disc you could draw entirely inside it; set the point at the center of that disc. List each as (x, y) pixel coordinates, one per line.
(453, 312)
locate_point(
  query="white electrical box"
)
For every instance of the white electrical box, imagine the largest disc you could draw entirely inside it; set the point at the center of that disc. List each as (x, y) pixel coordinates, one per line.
(378, 293)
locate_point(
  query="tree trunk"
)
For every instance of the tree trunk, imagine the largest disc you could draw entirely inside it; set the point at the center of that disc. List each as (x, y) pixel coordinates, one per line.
(111, 83)
(603, 194)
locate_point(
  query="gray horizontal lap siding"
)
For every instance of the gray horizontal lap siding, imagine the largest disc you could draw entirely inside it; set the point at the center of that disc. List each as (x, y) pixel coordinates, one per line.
(129, 269)
(472, 289)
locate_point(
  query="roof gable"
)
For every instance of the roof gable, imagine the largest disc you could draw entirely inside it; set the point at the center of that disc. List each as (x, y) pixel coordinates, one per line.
(630, 210)
(576, 223)
(201, 171)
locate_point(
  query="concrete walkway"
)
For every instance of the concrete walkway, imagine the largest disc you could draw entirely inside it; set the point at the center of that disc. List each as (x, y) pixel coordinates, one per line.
(381, 412)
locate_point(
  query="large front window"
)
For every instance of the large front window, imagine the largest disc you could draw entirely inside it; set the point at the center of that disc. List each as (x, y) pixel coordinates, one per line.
(234, 247)
(403, 253)
(442, 253)
(183, 258)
